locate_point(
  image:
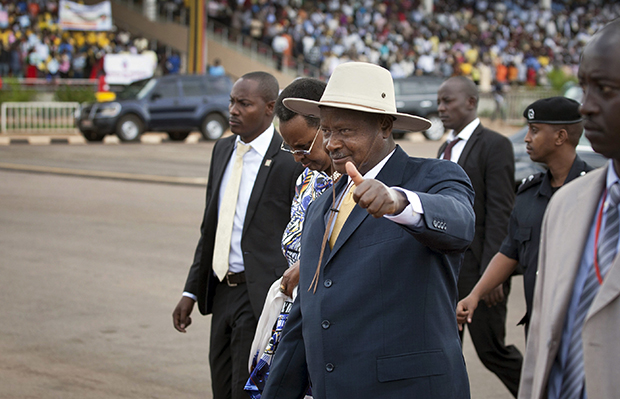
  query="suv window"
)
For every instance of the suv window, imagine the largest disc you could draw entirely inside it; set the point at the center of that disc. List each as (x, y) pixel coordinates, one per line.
(193, 87)
(407, 87)
(416, 86)
(167, 89)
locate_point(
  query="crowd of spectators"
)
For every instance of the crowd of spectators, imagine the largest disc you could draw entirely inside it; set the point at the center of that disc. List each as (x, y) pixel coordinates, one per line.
(509, 42)
(495, 43)
(32, 45)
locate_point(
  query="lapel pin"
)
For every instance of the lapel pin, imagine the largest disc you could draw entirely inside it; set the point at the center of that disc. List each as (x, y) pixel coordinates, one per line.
(268, 162)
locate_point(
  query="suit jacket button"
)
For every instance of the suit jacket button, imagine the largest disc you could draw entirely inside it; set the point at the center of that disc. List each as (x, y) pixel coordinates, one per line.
(325, 324)
(327, 283)
(329, 367)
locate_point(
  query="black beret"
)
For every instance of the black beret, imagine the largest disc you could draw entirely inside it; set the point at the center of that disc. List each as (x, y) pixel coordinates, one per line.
(553, 111)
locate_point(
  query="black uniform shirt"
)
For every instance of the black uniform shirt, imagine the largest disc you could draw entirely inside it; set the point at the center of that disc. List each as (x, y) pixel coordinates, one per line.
(523, 239)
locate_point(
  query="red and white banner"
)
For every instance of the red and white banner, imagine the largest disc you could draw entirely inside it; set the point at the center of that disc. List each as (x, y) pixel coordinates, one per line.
(74, 16)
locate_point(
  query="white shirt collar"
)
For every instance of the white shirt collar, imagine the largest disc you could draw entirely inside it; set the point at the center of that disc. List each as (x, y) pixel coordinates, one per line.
(262, 142)
(467, 131)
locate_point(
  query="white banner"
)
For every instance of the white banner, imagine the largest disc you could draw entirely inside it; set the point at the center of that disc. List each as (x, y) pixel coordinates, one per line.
(123, 69)
(74, 16)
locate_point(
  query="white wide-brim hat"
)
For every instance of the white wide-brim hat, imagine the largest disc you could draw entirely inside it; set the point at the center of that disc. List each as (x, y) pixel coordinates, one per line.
(360, 86)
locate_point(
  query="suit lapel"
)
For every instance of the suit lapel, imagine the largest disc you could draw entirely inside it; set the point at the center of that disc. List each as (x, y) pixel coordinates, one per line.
(469, 144)
(267, 164)
(228, 146)
(442, 148)
(575, 238)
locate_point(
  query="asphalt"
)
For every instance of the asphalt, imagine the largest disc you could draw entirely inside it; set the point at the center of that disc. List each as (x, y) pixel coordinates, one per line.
(157, 160)
(153, 159)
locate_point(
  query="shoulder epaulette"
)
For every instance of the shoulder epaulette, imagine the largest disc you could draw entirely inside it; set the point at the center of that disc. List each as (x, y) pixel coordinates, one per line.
(530, 181)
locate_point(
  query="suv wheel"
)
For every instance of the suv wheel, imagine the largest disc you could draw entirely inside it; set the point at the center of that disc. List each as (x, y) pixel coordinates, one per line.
(437, 130)
(213, 126)
(129, 128)
(178, 136)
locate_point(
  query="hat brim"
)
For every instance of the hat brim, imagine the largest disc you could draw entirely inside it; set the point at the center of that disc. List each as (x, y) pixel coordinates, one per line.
(405, 122)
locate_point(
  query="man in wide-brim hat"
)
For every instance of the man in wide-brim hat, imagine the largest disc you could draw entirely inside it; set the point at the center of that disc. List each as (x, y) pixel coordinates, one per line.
(381, 252)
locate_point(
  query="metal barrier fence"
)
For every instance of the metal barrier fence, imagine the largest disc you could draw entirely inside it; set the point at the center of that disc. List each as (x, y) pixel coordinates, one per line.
(38, 117)
(41, 84)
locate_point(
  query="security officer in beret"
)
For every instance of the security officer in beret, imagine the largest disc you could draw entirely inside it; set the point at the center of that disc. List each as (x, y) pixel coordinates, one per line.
(555, 127)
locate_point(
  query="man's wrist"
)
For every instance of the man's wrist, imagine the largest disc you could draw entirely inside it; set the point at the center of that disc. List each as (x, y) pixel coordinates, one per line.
(190, 295)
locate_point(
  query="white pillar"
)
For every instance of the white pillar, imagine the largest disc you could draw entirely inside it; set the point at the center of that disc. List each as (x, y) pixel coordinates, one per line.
(149, 9)
(428, 6)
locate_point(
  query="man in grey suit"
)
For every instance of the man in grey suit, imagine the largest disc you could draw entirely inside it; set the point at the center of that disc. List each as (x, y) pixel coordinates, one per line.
(381, 251)
(238, 255)
(488, 159)
(573, 350)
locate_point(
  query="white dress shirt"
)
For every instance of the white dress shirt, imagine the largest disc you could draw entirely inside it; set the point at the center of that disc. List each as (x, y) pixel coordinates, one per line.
(464, 135)
(252, 161)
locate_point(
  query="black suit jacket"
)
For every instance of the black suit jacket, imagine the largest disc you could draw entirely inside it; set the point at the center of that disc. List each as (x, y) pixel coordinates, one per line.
(488, 160)
(267, 214)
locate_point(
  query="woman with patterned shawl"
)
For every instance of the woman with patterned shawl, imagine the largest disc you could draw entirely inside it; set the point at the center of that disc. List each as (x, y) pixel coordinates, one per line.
(303, 139)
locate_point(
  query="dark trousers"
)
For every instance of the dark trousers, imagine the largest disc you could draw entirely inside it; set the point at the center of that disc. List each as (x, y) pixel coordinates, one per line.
(488, 330)
(232, 330)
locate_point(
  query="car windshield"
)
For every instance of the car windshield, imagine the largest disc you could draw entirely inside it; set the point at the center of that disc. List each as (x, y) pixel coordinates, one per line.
(136, 90)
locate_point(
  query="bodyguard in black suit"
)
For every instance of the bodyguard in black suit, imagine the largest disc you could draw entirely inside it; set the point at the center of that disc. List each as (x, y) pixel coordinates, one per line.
(262, 210)
(488, 159)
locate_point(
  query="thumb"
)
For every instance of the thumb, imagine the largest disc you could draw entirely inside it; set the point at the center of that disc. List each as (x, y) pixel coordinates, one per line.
(353, 173)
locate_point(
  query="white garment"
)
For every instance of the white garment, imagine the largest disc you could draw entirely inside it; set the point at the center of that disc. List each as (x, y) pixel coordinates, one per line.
(271, 310)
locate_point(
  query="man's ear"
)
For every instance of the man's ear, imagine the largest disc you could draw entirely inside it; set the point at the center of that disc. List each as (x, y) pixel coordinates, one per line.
(472, 102)
(269, 108)
(386, 126)
(561, 136)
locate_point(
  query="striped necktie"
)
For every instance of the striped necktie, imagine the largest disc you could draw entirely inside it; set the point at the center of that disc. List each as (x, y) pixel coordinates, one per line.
(573, 381)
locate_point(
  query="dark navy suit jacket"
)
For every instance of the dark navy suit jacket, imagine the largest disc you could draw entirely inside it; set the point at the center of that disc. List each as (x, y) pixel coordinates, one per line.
(382, 322)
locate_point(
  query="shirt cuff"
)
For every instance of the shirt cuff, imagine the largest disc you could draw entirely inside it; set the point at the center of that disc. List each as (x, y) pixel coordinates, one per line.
(190, 295)
(412, 214)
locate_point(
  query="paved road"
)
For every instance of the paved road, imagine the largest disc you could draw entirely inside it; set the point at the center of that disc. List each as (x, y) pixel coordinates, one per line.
(91, 269)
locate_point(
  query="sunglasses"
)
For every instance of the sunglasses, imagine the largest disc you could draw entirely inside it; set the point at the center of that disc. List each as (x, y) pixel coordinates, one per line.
(285, 147)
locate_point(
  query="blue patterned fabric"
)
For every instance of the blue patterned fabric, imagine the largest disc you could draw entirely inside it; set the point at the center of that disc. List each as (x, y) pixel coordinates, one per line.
(260, 366)
(310, 185)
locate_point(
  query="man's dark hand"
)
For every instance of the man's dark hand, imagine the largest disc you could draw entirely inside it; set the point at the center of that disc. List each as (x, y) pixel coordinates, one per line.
(290, 279)
(180, 315)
